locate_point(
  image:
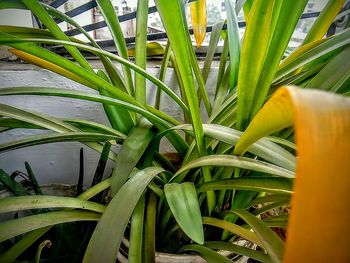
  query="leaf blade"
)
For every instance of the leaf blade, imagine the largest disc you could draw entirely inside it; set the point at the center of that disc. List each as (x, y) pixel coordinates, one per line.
(183, 202)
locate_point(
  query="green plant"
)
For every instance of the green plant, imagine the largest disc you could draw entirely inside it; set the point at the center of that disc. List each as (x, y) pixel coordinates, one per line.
(216, 187)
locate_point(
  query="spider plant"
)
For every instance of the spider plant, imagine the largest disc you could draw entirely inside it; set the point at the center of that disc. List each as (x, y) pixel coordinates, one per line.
(232, 172)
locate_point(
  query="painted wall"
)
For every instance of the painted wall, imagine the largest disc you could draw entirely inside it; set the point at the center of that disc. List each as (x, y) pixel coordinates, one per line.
(59, 162)
(15, 17)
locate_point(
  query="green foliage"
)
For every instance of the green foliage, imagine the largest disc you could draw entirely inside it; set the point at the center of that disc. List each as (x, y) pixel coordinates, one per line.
(193, 194)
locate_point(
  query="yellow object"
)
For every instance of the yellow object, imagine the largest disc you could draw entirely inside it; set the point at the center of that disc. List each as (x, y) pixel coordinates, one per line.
(48, 65)
(198, 11)
(152, 49)
(319, 225)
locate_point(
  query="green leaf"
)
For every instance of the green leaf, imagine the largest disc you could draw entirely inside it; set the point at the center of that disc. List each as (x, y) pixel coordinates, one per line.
(329, 77)
(273, 185)
(12, 204)
(288, 13)
(115, 29)
(240, 250)
(56, 137)
(136, 232)
(113, 72)
(277, 221)
(13, 186)
(66, 64)
(271, 206)
(140, 49)
(150, 229)
(12, 4)
(207, 254)
(107, 237)
(174, 22)
(235, 161)
(252, 58)
(175, 138)
(45, 18)
(17, 249)
(213, 42)
(324, 20)
(234, 42)
(81, 95)
(33, 180)
(338, 41)
(130, 153)
(233, 228)
(119, 118)
(223, 61)
(101, 164)
(183, 203)
(15, 227)
(272, 243)
(83, 125)
(162, 72)
(268, 199)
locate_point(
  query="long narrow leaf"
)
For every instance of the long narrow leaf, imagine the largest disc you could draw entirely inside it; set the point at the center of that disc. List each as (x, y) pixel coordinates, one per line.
(106, 239)
(130, 153)
(45, 18)
(273, 185)
(241, 250)
(234, 42)
(288, 14)
(173, 19)
(323, 21)
(140, 47)
(112, 21)
(272, 243)
(51, 57)
(252, 58)
(12, 228)
(11, 204)
(236, 161)
(198, 12)
(51, 138)
(207, 254)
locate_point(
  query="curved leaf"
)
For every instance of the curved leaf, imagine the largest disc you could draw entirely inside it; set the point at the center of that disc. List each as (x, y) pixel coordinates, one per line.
(115, 29)
(207, 254)
(272, 243)
(234, 42)
(106, 239)
(236, 161)
(263, 148)
(56, 137)
(324, 20)
(173, 19)
(338, 41)
(23, 225)
(233, 228)
(183, 202)
(11, 204)
(252, 58)
(130, 153)
(241, 250)
(273, 185)
(322, 122)
(28, 46)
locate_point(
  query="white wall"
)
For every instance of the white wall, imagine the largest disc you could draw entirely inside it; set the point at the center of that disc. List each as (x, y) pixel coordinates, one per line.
(15, 17)
(59, 162)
